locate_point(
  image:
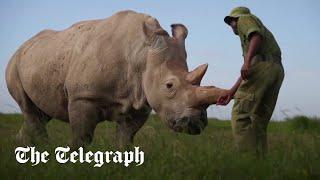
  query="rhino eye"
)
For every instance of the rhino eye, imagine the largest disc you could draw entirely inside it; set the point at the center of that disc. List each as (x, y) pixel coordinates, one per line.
(169, 85)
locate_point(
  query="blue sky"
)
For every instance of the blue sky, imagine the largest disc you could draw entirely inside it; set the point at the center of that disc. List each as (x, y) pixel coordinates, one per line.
(295, 24)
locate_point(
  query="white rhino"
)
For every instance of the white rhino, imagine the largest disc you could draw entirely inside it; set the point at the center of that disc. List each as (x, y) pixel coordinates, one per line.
(119, 69)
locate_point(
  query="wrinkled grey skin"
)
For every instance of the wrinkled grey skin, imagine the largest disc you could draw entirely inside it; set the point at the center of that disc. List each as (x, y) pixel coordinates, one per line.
(117, 69)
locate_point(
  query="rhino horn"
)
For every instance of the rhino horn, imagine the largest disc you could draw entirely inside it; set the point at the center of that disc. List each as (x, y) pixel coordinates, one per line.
(195, 76)
(207, 95)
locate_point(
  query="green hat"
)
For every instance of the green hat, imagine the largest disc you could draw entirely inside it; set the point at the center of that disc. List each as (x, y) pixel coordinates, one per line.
(236, 13)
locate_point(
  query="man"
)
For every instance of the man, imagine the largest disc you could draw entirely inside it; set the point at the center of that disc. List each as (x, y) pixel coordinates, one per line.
(256, 91)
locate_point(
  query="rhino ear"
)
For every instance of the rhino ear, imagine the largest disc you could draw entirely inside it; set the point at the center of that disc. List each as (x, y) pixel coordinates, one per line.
(152, 29)
(179, 31)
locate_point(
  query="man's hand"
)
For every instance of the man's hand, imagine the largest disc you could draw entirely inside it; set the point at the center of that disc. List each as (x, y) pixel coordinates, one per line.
(225, 99)
(245, 70)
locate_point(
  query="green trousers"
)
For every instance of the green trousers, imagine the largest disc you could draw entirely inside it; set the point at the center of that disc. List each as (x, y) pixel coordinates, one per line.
(254, 103)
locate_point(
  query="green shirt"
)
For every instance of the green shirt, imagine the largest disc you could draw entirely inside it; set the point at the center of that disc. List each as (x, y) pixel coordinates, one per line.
(248, 24)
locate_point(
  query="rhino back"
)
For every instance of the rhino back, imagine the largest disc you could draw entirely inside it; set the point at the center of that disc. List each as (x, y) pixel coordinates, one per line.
(89, 59)
(110, 70)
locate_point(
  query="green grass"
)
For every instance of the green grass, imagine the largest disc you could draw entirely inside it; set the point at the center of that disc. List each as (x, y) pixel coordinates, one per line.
(294, 153)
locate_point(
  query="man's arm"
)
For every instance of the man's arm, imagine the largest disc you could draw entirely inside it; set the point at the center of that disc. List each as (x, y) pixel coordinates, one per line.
(254, 45)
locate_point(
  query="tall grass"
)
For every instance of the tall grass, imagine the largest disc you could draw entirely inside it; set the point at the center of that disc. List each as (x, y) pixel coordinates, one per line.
(294, 153)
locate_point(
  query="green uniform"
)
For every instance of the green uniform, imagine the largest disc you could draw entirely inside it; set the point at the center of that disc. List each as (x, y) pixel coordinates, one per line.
(248, 24)
(256, 97)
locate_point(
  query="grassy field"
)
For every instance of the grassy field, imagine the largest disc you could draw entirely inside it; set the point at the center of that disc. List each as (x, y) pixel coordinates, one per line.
(294, 153)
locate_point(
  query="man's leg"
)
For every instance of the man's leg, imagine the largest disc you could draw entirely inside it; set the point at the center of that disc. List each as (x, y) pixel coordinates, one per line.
(254, 104)
(243, 134)
(264, 111)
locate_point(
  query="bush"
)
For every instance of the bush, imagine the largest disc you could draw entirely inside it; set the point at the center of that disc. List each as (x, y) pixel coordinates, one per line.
(304, 123)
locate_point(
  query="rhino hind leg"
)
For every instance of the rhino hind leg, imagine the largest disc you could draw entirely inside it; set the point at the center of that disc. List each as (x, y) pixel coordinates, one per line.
(127, 128)
(83, 117)
(33, 130)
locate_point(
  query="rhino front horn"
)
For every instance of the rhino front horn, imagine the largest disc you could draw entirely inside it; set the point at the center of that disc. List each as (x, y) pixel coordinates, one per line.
(195, 76)
(207, 95)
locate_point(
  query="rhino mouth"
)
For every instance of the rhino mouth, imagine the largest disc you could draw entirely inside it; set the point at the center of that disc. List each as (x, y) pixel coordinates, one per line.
(192, 125)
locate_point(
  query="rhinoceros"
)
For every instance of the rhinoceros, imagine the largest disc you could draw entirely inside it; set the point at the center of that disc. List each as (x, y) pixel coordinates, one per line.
(116, 69)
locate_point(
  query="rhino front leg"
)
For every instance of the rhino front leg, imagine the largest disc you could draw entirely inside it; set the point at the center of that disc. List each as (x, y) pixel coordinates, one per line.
(84, 117)
(127, 128)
